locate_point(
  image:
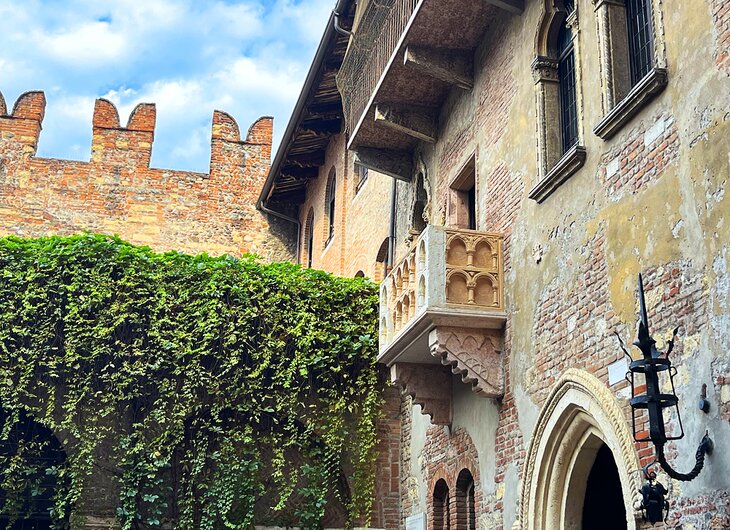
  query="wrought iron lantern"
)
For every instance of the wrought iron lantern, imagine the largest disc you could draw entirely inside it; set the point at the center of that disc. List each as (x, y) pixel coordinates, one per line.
(654, 369)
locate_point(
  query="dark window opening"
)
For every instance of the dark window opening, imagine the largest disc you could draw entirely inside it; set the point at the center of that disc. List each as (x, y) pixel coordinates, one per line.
(309, 230)
(566, 82)
(465, 507)
(641, 41)
(463, 198)
(382, 260)
(331, 192)
(441, 508)
(603, 507)
(472, 198)
(418, 223)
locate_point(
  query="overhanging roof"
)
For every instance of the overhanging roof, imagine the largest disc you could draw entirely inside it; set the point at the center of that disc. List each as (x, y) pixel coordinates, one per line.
(317, 116)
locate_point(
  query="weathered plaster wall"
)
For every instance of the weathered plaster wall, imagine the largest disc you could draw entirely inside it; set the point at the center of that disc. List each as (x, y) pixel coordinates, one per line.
(651, 199)
(117, 192)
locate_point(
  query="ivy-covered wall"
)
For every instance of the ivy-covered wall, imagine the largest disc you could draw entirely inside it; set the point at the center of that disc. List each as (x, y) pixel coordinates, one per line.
(210, 392)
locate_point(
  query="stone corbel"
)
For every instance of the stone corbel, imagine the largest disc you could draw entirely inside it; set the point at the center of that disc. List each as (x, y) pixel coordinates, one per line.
(472, 353)
(429, 385)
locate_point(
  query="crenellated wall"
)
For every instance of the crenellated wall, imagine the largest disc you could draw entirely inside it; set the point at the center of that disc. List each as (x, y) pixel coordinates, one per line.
(117, 192)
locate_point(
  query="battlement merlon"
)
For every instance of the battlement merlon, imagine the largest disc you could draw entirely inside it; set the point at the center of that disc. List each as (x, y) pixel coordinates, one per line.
(26, 119)
(228, 151)
(131, 145)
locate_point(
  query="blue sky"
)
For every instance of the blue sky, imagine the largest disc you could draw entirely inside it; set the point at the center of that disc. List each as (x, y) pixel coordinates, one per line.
(189, 57)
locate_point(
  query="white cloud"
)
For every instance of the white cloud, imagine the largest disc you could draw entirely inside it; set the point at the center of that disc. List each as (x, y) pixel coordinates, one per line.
(89, 43)
(251, 76)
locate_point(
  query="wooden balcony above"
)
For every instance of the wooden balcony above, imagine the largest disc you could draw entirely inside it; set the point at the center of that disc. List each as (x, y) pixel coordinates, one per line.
(403, 58)
(442, 311)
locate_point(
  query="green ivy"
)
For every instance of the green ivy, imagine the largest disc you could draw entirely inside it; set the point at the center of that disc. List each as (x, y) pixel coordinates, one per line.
(210, 388)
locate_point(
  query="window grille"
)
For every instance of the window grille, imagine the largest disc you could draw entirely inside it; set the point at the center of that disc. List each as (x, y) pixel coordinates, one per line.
(566, 80)
(641, 45)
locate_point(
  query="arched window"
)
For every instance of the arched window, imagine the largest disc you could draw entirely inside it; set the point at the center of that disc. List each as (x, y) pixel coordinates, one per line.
(557, 81)
(359, 274)
(465, 508)
(381, 261)
(330, 206)
(580, 461)
(36, 445)
(309, 237)
(441, 508)
(566, 80)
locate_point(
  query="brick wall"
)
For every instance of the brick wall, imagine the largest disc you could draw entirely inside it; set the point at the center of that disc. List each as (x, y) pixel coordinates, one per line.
(361, 216)
(641, 158)
(444, 456)
(117, 192)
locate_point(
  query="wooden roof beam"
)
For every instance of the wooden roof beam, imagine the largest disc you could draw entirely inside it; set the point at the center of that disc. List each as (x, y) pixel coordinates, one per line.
(317, 127)
(297, 173)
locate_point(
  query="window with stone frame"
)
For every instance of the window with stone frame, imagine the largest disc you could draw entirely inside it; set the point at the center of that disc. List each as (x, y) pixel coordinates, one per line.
(462, 205)
(632, 59)
(330, 203)
(556, 71)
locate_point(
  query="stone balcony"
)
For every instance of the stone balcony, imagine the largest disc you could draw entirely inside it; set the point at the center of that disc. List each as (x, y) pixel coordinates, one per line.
(442, 312)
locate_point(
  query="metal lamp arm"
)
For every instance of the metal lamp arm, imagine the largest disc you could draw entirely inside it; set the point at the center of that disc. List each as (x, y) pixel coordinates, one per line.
(704, 448)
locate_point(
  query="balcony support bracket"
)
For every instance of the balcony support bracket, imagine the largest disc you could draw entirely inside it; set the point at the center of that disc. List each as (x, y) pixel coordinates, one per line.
(429, 385)
(418, 122)
(451, 66)
(395, 164)
(515, 7)
(472, 353)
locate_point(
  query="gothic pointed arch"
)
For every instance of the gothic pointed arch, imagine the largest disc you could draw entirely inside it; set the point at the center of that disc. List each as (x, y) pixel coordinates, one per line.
(579, 418)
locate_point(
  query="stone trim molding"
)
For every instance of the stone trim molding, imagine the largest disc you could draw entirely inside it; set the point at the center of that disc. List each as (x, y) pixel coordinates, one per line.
(619, 99)
(571, 162)
(579, 408)
(637, 98)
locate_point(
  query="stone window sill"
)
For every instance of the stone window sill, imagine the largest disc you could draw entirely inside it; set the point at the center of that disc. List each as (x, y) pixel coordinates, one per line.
(644, 91)
(571, 162)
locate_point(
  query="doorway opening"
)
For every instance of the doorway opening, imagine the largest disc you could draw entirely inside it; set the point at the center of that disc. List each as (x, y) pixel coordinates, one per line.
(603, 506)
(29, 505)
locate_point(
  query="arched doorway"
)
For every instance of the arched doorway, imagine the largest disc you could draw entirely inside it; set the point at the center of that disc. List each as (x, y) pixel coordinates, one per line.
(27, 500)
(603, 504)
(580, 462)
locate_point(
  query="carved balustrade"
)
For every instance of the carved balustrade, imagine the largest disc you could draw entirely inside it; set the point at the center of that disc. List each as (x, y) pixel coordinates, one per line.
(447, 269)
(442, 312)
